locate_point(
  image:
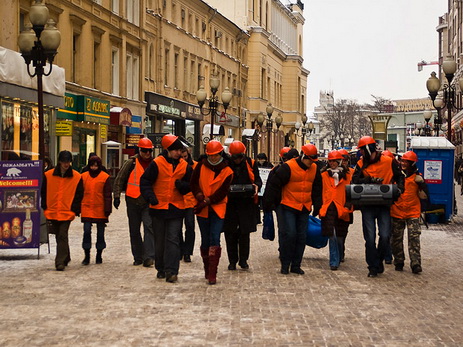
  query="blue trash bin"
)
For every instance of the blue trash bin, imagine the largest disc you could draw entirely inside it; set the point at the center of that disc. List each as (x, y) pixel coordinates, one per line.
(436, 157)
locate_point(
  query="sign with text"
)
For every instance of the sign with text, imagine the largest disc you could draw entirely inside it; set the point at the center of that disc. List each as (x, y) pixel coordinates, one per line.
(63, 127)
(433, 171)
(20, 183)
(263, 173)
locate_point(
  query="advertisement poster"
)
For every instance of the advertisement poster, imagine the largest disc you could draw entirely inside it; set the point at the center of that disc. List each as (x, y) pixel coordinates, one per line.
(433, 171)
(263, 173)
(19, 203)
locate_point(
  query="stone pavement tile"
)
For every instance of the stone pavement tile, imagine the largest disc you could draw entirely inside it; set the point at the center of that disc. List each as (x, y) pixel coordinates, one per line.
(117, 304)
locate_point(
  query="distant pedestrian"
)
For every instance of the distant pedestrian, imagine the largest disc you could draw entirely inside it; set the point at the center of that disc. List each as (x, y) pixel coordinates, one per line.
(262, 161)
(406, 212)
(96, 207)
(62, 191)
(87, 167)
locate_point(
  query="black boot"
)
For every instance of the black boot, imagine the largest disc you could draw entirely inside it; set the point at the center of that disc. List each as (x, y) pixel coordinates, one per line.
(99, 260)
(86, 260)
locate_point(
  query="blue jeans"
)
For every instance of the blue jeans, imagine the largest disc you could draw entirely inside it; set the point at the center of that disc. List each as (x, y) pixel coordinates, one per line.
(142, 249)
(210, 228)
(336, 245)
(375, 254)
(293, 237)
(100, 241)
(167, 242)
(187, 244)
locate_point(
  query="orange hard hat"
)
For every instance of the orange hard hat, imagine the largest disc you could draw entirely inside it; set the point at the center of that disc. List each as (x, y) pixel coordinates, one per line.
(237, 147)
(167, 140)
(213, 147)
(311, 151)
(145, 143)
(334, 155)
(388, 154)
(410, 155)
(344, 152)
(283, 151)
(365, 140)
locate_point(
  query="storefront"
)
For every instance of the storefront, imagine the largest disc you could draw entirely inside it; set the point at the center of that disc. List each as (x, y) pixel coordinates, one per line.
(166, 115)
(19, 132)
(81, 127)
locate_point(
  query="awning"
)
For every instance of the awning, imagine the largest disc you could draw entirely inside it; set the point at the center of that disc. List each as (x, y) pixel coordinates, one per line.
(218, 130)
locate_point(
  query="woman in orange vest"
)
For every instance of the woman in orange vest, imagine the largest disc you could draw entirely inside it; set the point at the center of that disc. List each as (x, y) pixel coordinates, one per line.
(346, 164)
(334, 214)
(210, 184)
(61, 192)
(187, 243)
(164, 184)
(406, 212)
(299, 184)
(96, 207)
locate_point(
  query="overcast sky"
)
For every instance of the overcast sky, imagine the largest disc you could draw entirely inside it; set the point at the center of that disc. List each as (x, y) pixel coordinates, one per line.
(361, 47)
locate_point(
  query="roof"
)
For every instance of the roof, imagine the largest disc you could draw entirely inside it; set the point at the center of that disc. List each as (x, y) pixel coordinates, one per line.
(431, 143)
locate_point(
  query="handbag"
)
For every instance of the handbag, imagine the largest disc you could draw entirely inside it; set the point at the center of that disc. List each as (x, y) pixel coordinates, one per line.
(314, 237)
(268, 230)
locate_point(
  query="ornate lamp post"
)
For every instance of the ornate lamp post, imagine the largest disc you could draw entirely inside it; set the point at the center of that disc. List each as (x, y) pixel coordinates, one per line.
(269, 125)
(38, 45)
(297, 126)
(201, 96)
(449, 66)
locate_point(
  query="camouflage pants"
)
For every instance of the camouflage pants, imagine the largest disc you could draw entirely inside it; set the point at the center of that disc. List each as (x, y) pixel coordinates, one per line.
(397, 240)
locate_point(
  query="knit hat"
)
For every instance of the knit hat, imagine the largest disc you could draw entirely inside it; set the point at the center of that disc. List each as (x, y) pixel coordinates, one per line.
(65, 156)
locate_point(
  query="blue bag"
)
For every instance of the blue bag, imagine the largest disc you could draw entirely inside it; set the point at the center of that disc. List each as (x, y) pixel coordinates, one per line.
(268, 231)
(315, 238)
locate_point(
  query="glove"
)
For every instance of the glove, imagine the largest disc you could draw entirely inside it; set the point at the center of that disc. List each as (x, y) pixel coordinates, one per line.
(154, 201)
(116, 202)
(419, 179)
(199, 207)
(199, 196)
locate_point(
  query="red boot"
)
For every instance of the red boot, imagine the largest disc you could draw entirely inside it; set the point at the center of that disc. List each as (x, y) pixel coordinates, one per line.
(214, 257)
(205, 256)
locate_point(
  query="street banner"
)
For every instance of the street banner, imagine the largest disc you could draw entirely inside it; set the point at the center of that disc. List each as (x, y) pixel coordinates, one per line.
(20, 183)
(263, 173)
(433, 171)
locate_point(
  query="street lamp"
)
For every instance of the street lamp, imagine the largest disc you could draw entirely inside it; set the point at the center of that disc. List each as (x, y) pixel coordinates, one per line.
(269, 125)
(201, 96)
(38, 45)
(427, 114)
(297, 126)
(449, 66)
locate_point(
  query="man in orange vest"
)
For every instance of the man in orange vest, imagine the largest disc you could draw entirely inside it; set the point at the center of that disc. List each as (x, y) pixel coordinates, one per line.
(128, 179)
(240, 218)
(299, 184)
(164, 184)
(375, 168)
(61, 192)
(96, 207)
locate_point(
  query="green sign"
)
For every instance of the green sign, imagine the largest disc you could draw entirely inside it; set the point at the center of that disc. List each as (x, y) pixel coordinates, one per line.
(85, 108)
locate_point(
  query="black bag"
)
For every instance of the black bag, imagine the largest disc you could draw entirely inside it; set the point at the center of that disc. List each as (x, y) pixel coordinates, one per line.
(268, 231)
(242, 190)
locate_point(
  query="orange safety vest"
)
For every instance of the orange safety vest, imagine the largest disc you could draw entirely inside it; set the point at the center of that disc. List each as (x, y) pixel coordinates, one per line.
(209, 185)
(408, 204)
(60, 194)
(133, 183)
(336, 194)
(380, 169)
(297, 193)
(164, 186)
(190, 200)
(93, 201)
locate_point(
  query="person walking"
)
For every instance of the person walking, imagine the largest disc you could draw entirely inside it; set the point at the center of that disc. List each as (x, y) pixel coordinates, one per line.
(61, 197)
(299, 183)
(334, 214)
(210, 184)
(128, 180)
(96, 207)
(262, 161)
(406, 212)
(374, 168)
(164, 184)
(240, 217)
(187, 242)
(87, 167)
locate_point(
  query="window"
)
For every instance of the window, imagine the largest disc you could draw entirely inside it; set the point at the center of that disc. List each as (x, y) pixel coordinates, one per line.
(75, 56)
(133, 11)
(115, 6)
(176, 67)
(96, 66)
(185, 72)
(115, 71)
(262, 84)
(193, 78)
(166, 67)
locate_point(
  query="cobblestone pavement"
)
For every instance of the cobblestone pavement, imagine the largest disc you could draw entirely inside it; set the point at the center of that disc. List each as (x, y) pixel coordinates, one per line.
(118, 304)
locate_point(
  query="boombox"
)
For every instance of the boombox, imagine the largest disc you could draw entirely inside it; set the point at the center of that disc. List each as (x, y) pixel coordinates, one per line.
(372, 194)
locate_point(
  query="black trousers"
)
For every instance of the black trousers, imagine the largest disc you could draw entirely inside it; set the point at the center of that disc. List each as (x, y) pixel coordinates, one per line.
(238, 244)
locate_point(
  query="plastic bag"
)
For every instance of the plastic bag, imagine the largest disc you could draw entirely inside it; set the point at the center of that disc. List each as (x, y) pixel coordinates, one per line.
(315, 238)
(268, 230)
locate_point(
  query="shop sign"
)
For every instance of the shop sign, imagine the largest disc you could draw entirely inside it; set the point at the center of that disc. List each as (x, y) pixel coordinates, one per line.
(103, 131)
(132, 140)
(64, 128)
(156, 138)
(70, 110)
(84, 108)
(19, 203)
(228, 119)
(194, 112)
(125, 117)
(169, 110)
(165, 106)
(136, 125)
